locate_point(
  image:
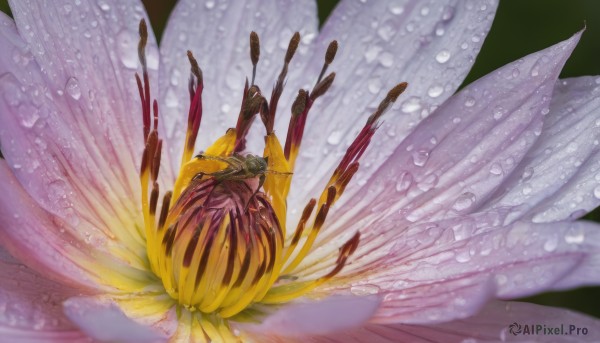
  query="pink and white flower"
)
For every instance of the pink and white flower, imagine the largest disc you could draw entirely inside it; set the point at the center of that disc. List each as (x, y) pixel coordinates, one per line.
(460, 199)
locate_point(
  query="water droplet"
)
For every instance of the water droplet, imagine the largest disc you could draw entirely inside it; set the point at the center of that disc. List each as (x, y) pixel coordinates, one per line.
(375, 85)
(443, 56)
(498, 112)
(386, 59)
(335, 137)
(28, 114)
(420, 157)
(425, 11)
(496, 169)
(597, 192)
(371, 53)
(210, 4)
(456, 120)
(527, 173)
(572, 147)
(470, 102)
(364, 289)
(463, 257)
(396, 9)
(72, 88)
(574, 236)
(433, 140)
(551, 244)
(535, 70)
(526, 190)
(428, 183)
(448, 13)
(435, 91)
(104, 6)
(225, 108)
(411, 104)
(171, 99)
(386, 32)
(127, 48)
(545, 110)
(404, 182)
(464, 202)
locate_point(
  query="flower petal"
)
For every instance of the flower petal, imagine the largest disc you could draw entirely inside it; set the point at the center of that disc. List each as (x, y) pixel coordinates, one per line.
(492, 324)
(441, 264)
(332, 314)
(456, 158)
(217, 34)
(429, 44)
(559, 178)
(30, 305)
(105, 321)
(64, 130)
(51, 246)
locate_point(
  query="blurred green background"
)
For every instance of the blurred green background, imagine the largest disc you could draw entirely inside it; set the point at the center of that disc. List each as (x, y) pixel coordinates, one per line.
(520, 27)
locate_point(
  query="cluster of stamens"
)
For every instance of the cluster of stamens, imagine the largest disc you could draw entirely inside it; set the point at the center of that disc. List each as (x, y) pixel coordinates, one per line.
(220, 242)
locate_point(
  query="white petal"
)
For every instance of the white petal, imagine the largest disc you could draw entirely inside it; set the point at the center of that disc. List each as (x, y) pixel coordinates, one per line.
(559, 178)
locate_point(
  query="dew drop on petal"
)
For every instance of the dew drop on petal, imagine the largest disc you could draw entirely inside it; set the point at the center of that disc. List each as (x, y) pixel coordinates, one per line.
(597, 192)
(404, 181)
(443, 56)
(469, 102)
(496, 169)
(127, 48)
(396, 8)
(464, 202)
(551, 244)
(335, 137)
(411, 104)
(210, 4)
(72, 88)
(420, 157)
(104, 6)
(574, 236)
(435, 91)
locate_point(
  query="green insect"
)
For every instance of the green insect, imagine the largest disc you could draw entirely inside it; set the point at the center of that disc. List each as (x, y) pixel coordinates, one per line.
(241, 168)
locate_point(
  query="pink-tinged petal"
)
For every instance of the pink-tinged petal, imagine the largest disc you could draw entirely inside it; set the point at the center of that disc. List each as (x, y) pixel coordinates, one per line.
(217, 33)
(429, 44)
(446, 264)
(457, 157)
(55, 249)
(73, 152)
(559, 179)
(30, 233)
(105, 321)
(333, 314)
(491, 324)
(31, 305)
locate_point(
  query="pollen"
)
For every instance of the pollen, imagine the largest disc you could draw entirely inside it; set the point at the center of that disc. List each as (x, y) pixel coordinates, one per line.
(219, 241)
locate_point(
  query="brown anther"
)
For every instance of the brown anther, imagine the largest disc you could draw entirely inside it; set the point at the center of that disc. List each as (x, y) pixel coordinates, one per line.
(331, 51)
(300, 103)
(194, 67)
(395, 92)
(291, 50)
(164, 211)
(390, 98)
(154, 198)
(266, 118)
(253, 105)
(143, 29)
(254, 47)
(322, 87)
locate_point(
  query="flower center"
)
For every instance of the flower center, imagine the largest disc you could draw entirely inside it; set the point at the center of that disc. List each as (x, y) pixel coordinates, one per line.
(220, 242)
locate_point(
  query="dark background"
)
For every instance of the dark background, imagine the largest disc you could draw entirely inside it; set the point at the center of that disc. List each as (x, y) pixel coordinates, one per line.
(520, 27)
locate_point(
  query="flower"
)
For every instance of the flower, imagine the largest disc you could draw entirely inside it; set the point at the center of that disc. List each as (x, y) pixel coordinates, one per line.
(459, 200)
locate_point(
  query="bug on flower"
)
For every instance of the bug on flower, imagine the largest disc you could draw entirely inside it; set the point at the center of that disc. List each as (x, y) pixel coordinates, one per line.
(240, 167)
